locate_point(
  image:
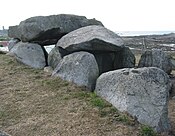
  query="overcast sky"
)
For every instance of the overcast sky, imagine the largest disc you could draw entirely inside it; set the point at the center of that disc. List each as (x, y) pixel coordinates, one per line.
(117, 15)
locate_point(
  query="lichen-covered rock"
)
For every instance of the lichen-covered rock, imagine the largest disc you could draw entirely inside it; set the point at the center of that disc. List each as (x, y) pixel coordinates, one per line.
(156, 58)
(29, 54)
(80, 68)
(142, 92)
(47, 30)
(91, 38)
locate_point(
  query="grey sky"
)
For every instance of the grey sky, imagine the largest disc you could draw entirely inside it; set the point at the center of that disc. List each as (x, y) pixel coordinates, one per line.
(117, 15)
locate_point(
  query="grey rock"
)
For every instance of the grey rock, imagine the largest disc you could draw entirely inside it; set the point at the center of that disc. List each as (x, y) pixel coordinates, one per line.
(104, 44)
(172, 62)
(80, 68)
(173, 97)
(12, 43)
(47, 30)
(156, 58)
(3, 133)
(91, 38)
(48, 69)
(30, 54)
(124, 59)
(142, 92)
(55, 56)
(105, 61)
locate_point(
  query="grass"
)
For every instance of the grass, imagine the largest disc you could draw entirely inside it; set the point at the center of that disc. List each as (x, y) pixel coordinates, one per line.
(147, 131)
(34, 103)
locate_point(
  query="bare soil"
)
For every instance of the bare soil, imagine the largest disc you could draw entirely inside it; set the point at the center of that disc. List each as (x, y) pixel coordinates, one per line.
(32, 103)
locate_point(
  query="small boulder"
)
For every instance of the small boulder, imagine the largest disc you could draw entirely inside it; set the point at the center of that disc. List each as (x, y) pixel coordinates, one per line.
(12, 43)
(156, 58)
(80, 68)
(3, 133)
(48, 70)
(55, 56)
(47, 30)
(29, 54)
(142, 92)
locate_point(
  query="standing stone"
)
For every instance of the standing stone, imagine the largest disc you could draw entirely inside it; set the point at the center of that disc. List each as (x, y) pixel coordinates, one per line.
(47, 30)
(124, 59)
(12, 43)
(156, 58)
(105, 61)
(142, 92)
(55, 56)
(80, 68)
(29, 54)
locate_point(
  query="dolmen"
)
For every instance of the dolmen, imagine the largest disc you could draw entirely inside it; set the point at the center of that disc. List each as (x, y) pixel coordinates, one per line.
(90, 55)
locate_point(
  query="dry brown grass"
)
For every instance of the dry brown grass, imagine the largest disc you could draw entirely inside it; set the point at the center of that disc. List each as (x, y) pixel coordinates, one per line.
(34, 104)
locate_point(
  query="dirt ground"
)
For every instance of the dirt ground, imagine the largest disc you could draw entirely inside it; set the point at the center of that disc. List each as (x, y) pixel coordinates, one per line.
(34, 104)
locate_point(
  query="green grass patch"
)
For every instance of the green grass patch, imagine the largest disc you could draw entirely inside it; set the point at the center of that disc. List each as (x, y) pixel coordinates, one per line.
(97, 101)
(8, 115)
(147, 131)
(50, 82)
(105, 108)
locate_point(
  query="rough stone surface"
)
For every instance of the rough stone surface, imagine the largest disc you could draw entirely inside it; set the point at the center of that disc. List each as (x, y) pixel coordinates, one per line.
(12, 43)
(29, 54)
(46, 30)
(105, 45)
(142, 92)
(91, 38)
(55, 56)
(172, 62)
(156, 58)
(3, 133)
(105, 61)
(124, 59)
(80, 68)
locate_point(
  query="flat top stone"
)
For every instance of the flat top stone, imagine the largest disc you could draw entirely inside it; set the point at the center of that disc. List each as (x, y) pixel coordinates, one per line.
(47, 30)
(91, 38)
(66, 22)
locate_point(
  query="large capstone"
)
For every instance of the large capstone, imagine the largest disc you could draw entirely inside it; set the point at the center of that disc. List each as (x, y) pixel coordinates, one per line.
(91, 38)
(105, 45)
(142, 92)
(30, 54)
(80, 68)
(156, 58)
(47, 30)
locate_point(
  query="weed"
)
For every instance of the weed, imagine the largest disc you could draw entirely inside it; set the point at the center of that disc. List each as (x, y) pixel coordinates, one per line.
(3, 114)
(109, 110)
(97, 101)
(81, 95)
(147, 131)
(54, 83)
(123, 118)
